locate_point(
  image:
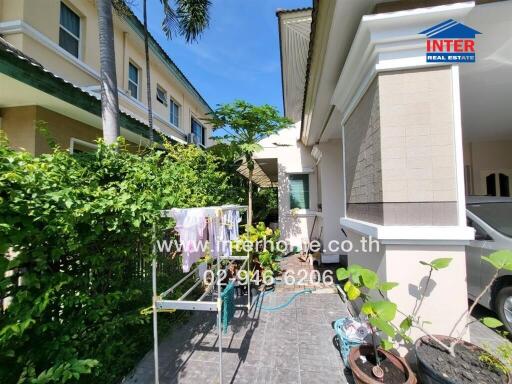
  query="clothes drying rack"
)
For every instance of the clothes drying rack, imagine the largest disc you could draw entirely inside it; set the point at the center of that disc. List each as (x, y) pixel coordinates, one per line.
(161, 304)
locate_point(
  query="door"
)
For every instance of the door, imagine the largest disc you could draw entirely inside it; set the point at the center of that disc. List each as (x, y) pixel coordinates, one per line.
(497, 182)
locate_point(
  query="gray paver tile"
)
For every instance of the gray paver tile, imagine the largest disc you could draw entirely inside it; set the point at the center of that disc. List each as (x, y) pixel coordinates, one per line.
(290, 346)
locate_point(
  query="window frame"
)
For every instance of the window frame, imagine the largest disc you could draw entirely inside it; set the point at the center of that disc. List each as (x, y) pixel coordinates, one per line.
(161, 100)
(78, 38)
(132, 63)
(172, 101)
(307, 201)
(83, 143)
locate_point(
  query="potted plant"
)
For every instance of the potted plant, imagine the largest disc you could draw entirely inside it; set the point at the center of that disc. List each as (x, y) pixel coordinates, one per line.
(373, 363)
(449, 359)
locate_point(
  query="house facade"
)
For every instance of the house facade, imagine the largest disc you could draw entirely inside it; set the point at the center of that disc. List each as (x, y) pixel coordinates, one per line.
(49, 72)
(386, 144)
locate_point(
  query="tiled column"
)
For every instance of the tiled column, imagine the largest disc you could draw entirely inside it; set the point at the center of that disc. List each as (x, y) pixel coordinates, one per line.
(401, 166)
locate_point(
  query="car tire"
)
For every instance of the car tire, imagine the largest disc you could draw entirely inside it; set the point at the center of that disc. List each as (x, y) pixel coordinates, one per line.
(504, 307)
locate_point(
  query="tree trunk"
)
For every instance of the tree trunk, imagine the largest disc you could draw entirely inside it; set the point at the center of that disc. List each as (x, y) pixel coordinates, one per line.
(249, 205)
(109, 97)
(148, 74)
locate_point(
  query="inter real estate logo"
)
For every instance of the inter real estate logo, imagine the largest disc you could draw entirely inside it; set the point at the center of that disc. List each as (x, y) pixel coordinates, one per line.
(450, 42)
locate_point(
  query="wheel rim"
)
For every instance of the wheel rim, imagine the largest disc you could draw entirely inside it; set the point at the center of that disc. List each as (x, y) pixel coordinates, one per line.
(507, 306)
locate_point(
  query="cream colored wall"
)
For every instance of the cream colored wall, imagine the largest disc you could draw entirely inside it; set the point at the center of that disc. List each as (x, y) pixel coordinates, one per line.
(331, 176)
(418, 150)
(292, 157)
(19, 126)
(11, 9)
(400, 149)
(62, 129)
(128, 45)
(445, 301)
(485, 156)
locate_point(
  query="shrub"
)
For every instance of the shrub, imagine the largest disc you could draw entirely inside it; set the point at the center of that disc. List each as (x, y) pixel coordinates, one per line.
(75, 232)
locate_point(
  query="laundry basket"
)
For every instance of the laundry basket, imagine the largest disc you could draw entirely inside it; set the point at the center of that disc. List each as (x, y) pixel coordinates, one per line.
(345, 342)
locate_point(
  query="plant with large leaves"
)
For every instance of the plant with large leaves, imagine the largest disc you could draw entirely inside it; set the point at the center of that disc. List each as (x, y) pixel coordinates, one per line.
(364, 284)
(500, 261)
(244, 126)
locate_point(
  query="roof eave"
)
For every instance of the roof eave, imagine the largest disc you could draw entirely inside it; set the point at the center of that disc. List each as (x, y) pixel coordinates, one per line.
(314, 16)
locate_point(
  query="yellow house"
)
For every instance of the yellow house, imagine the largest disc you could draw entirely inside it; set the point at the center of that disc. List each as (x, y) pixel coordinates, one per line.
(49, 71)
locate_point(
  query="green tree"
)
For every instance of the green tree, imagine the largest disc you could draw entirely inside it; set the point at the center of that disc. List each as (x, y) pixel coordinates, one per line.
(75, 255)
(244, 126)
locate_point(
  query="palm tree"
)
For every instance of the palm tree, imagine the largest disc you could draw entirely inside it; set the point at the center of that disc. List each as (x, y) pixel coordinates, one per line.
(109, 98)
(245, 125)
(189, 19)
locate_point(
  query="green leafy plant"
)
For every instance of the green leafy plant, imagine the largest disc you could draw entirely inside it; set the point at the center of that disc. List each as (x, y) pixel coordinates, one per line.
(244, 126)
(502, 362)
(500, 260)
(75, 245)
(364, 284)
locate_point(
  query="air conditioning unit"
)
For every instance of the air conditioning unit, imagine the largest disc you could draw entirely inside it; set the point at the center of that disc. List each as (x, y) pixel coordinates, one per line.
(191, 138)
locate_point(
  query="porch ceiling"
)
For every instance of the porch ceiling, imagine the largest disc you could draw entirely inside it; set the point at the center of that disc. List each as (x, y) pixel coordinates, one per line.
(486, 86)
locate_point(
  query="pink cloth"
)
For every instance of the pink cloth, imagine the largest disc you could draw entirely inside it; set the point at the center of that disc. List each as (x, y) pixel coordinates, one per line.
(191, 225)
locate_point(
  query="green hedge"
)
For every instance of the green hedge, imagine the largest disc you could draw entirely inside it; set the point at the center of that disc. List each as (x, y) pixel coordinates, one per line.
(75, 231)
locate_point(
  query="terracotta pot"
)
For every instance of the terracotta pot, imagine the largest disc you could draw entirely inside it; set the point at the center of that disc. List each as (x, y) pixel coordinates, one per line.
(362, 378)
(427, 374)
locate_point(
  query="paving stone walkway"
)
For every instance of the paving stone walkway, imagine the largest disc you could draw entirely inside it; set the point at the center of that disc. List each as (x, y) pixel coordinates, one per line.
(294, 345)
(291, 346)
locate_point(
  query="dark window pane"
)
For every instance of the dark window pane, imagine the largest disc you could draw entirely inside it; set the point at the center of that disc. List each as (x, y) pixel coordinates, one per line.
(68, 42)
(197, 129)
(504, 185)
(491, 185)
(161, 95)
(133, 90)
(299, 191)
(69, 20)
(133, 73)
(175, 113)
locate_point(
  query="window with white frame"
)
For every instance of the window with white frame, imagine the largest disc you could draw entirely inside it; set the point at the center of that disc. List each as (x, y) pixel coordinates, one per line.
(174, 108)
(69, 30)
(133, 80)
(80, 146)
(299, 191)
(199, 132)
(161, 95)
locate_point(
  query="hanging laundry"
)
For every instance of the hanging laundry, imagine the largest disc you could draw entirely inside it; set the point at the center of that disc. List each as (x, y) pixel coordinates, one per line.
(228, 305)
(191, 226)
(215, 236)
(229, 231)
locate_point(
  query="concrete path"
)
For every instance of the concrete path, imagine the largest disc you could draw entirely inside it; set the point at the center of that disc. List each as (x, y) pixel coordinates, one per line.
(291, 346)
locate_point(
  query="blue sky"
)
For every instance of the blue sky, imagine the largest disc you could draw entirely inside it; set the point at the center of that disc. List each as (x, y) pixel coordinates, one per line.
(237, 57)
